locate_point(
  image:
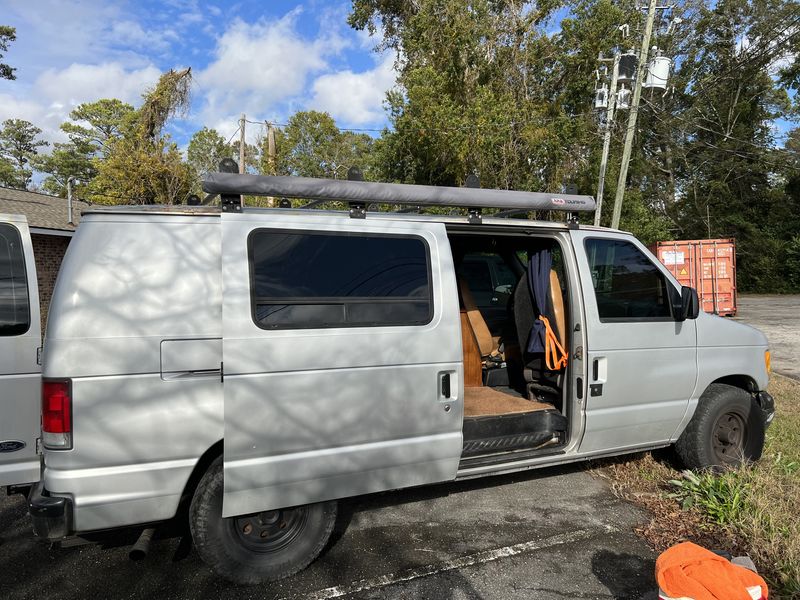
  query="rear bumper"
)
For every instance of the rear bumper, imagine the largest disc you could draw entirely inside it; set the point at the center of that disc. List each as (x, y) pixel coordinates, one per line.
(51, 516)
(767, 404)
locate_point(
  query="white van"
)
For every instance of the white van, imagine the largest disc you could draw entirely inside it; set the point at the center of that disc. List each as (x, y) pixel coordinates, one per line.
(245, 369)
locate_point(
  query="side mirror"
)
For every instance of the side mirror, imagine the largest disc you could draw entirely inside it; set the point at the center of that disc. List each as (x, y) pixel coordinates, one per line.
(689, 306)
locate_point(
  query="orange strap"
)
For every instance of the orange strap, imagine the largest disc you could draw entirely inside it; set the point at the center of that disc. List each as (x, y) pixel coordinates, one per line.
(555, 357)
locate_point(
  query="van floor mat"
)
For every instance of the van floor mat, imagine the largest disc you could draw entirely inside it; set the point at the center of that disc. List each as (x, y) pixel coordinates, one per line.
(500, 433)
(486, 401)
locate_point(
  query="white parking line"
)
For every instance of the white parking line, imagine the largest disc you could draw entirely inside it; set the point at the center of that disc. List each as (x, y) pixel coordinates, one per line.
(457, 563)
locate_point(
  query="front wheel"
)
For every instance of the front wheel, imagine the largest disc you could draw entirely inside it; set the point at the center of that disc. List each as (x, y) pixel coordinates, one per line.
(726, 429)
(260, 547)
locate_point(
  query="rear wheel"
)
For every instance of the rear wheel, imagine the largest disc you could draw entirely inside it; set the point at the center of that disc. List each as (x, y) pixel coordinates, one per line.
(726, 429)
(260, 547)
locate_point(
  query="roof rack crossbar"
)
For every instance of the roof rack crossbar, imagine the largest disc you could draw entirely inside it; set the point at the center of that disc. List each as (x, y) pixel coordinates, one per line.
(367, 192)
(510, 213)
(314, 203)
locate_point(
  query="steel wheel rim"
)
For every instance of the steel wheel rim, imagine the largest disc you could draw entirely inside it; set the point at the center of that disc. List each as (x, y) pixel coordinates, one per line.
(729, 437)
(270, 531)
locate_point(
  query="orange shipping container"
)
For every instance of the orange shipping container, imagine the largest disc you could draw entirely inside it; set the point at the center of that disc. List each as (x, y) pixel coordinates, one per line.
(709, 266)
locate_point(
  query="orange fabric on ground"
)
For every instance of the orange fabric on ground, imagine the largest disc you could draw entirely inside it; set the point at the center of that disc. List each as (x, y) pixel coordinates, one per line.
(691, 571)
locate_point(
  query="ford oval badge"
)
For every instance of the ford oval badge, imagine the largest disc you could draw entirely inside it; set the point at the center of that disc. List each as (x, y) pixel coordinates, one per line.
(11, 445)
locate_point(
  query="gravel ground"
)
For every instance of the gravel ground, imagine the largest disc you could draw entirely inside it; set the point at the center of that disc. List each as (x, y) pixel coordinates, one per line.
(779, 318)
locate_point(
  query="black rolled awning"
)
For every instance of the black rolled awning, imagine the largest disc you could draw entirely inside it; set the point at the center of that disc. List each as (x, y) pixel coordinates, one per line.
(366, 192)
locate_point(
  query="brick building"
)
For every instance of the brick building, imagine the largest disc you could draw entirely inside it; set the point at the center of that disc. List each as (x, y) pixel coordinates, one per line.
(51, 231)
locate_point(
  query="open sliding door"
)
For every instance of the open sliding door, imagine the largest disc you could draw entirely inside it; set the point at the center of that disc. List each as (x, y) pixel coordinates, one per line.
(342, 358)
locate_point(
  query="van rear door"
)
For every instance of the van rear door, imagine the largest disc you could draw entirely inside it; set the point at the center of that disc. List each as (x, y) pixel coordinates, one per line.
(20, 336)
(342, 358)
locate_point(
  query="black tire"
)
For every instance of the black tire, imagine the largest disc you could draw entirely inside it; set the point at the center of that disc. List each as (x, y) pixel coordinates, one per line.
(256, 548)
(726, 429)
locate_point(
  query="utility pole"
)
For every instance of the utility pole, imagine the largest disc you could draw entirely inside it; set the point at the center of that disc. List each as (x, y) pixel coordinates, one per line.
(271, 157)
(634, 111)
(242, 122)
(612, 102)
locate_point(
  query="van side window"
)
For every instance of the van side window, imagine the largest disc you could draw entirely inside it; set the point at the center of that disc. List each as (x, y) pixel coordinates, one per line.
(627, 285)
(303, 280)
(15, 316)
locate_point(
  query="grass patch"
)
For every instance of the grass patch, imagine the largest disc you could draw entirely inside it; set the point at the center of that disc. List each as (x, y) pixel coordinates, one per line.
(754, 509)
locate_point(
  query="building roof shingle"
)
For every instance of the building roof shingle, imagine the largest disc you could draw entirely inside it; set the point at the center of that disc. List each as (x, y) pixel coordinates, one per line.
(43, 211)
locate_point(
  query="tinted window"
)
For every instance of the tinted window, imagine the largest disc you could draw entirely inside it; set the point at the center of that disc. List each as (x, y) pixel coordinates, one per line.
(505, 276)
(303, 280)
(14, 311)
(476, 272)
(627, 285)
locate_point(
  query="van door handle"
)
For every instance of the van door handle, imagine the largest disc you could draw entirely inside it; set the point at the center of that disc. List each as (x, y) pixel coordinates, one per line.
(445, 385)
(599, 374)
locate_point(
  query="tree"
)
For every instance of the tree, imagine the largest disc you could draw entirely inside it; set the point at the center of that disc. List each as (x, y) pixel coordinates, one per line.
(7, 35)
(18, 145)
(485, 88)
(311, 145)
(65, 161)
(143, 165)
(731, 176)
(206, 149)
(92, 127)
(97, 124)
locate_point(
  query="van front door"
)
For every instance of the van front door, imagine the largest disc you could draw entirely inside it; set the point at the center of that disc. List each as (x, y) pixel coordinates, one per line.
(20, 336)
(642, 362)
(342, 358)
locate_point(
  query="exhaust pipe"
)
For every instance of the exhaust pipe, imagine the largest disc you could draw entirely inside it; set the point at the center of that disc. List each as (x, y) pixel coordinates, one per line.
(142, 545)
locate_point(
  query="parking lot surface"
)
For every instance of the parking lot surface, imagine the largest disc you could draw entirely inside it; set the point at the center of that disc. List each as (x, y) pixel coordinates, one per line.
(779, 318)
(544, 534)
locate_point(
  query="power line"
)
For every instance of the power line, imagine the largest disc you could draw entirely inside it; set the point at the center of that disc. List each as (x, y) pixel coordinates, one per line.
(488, 126)
(230, 139)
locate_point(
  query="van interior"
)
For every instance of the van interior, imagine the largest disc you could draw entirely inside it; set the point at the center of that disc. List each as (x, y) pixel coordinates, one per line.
(514, 327)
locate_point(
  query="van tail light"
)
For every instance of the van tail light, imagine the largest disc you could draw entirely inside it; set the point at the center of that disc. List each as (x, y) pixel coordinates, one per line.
(57, 414)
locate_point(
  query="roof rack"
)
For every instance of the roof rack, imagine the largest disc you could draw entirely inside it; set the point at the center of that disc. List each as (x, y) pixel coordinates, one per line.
(361, 193)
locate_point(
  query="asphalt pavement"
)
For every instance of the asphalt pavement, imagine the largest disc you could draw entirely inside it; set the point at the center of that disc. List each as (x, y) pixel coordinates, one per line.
(546, 534)
(778, 316)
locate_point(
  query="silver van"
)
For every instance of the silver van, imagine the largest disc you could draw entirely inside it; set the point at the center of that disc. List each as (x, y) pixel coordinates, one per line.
(244, 369)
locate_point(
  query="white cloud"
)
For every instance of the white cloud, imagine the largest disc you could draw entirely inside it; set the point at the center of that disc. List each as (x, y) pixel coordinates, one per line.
(55, 31)
(355, 98)
(84, 83)
(259, 65)
(20, 108)
(132, 34)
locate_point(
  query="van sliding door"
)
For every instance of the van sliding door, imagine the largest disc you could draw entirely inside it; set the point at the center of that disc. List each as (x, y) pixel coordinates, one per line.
(342, 359)
(20, 336)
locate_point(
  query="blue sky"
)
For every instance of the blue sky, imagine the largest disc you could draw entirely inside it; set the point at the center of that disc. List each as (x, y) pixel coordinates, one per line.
(267, 59)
